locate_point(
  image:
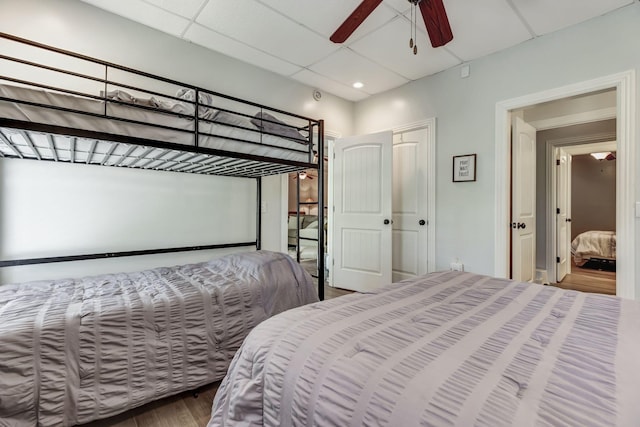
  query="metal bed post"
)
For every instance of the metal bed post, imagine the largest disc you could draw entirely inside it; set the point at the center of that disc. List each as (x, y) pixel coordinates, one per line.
(321, 191)
(298, 217)
(259, 214)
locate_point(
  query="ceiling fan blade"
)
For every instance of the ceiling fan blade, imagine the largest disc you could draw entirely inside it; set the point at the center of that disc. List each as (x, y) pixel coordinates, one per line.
(354, 20)
(436, 21)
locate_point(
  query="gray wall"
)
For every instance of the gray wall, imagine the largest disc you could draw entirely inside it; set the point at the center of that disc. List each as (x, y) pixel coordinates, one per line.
(465, 112)
(593, 194)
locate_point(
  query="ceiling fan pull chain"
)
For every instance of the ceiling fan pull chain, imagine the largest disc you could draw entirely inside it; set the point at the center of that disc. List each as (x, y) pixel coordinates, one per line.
(411, 31)
(415, 31)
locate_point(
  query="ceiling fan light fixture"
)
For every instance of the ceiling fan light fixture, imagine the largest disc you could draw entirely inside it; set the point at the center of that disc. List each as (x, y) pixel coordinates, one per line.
(600, 156)
(358, 85)
(302, 175)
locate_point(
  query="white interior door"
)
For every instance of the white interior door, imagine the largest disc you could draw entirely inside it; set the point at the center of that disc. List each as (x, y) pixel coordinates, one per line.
(523, 201)
(362, 211)
(563, 218)
(410, 227)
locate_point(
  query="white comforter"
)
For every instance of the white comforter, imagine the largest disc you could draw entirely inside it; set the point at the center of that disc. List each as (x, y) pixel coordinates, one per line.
(76, 350)
(600, 244)
(447, 349)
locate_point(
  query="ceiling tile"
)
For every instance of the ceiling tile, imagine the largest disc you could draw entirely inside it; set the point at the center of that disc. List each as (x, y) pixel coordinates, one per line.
(257, 25)
(144, 13)
(219, 43)
(389, 45)
(185, 8)
(401, 6)
(545, 16)
(347, 67)
(481, 28)
(326, 16)
(323, 83)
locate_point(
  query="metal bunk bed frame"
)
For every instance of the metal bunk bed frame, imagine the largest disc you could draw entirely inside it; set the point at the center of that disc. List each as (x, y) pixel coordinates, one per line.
(142, 153)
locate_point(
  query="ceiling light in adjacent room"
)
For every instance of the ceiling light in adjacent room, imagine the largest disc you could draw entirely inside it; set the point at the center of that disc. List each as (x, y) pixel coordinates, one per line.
(600, 156)
(302, 174)
(358, 85)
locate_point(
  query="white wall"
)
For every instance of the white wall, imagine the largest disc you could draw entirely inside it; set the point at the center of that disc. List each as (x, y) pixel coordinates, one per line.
(81, 28)
(465, 112)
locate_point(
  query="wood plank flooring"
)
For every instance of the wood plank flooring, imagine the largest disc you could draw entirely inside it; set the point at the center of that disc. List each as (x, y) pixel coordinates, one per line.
(589, 280)
(181, 410)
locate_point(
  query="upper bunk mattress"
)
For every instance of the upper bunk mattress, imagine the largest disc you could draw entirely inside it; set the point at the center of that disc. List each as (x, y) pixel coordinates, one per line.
(78, 350)
(233, 133)
(446, 349)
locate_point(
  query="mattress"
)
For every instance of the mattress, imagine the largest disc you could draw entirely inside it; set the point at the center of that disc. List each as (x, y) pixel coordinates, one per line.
(228, 128)
(593, 244)
(446, 349)
(78, 350)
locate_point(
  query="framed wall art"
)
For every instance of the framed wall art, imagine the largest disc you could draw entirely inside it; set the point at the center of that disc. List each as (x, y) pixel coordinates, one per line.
(464, 168)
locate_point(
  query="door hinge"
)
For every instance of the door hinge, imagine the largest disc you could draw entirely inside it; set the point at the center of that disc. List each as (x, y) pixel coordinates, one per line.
(334, 208)
(558, 259)
(557, 162)
(557, 210)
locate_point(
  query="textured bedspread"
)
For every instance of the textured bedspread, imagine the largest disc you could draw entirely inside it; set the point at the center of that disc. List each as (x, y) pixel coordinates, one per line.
(601, 244)
(76, 350)
(446, 349)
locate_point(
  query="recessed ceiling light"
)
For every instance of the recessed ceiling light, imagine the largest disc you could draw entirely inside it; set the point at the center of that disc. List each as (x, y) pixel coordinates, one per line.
(358, 85)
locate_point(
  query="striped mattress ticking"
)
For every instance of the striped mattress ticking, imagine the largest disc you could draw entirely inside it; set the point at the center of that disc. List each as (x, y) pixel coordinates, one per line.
(72, 351)
(446, 349)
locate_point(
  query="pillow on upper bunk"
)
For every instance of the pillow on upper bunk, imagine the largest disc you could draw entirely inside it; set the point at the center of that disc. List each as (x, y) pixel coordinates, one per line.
(267, 123)
(204, 98)
(122, 96)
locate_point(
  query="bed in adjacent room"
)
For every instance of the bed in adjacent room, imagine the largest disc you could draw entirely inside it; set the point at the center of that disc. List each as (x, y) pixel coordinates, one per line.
(596, 245)
(444, 349)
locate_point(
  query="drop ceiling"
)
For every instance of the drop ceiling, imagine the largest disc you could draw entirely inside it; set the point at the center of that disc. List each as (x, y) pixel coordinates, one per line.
(291, 37)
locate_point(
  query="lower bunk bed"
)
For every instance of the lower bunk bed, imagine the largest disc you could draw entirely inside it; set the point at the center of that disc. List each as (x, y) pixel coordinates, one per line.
(446, 349)
(73, 351)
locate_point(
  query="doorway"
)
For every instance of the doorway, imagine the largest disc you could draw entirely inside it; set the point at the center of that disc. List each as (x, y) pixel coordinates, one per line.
(581, 212)
(625, 174)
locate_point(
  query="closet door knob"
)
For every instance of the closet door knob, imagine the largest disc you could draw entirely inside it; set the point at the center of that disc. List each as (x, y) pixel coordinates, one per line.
(422, 222)
(386, 222)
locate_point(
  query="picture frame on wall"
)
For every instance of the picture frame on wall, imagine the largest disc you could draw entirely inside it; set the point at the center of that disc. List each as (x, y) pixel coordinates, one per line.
(464, 168)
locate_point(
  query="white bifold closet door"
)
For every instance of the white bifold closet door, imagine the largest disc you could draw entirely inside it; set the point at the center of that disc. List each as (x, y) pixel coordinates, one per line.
(380, 220)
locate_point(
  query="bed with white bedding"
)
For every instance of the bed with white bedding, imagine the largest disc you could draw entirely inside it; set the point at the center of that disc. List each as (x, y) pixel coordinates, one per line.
(72, 351)
(446, 349)
(594, 244)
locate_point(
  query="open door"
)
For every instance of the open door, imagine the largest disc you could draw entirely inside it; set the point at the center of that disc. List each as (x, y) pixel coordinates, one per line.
(523, 201)
(362, 238)
(563, 214)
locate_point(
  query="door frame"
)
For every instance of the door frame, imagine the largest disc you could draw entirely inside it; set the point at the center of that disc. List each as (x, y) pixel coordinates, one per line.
(594, 143)
(624, 83)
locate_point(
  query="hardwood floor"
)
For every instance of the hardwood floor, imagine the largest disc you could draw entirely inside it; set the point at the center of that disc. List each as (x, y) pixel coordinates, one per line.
(181, 410)
(589, 280)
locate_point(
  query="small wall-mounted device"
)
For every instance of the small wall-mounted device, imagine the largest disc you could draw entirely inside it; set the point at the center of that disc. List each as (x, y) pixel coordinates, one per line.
(317, 95)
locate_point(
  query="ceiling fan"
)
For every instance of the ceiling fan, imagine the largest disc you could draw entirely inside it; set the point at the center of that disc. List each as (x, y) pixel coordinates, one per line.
(433, 14)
